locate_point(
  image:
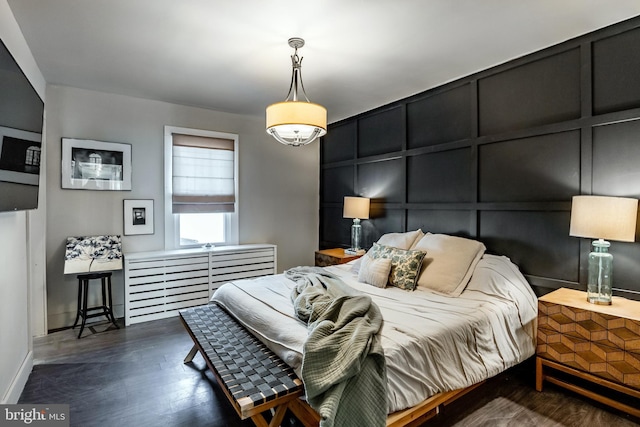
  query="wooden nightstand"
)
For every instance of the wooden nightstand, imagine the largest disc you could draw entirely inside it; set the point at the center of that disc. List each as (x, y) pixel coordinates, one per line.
(327, 257)
(595, 343)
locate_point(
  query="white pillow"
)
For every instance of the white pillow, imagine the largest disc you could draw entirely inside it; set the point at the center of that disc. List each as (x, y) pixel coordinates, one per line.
(374, 271)
(449, 262)
(355, 266)
(401, 240)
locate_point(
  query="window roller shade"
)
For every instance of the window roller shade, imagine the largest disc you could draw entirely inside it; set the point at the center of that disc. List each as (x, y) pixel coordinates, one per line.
(202, 174)
(202, 142)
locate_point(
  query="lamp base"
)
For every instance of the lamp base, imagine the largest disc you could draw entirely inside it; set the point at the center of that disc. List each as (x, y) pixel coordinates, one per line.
(602, 300)
(600, 274)
(352, 251)
(356, 232)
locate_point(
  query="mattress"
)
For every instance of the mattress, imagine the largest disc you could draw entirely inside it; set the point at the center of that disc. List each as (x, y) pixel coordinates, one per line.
(432, 343)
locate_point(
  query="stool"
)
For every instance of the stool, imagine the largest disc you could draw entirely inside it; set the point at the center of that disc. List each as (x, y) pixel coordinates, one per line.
(83, 290)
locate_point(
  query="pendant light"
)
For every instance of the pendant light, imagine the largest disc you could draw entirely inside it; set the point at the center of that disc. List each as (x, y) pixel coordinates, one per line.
(296, 122)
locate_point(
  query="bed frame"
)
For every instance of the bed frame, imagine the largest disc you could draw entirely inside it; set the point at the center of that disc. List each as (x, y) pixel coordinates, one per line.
(255, 380)
(410, 417)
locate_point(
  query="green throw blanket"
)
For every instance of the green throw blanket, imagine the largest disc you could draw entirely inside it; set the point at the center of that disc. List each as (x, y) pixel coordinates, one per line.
(343, 367)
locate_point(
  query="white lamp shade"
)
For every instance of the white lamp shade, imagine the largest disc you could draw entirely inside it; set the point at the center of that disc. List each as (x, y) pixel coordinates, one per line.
(356, 207)
(604, 217)
(296, 120)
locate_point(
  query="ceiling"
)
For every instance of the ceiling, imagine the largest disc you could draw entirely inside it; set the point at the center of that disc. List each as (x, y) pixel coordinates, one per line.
(233, 55)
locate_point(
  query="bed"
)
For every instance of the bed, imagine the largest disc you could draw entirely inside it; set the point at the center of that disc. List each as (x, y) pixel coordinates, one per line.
(436, 340)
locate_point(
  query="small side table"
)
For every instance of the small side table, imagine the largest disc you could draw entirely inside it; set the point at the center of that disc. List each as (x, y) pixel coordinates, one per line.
(582, 344)
(106, 309)
(326, 257)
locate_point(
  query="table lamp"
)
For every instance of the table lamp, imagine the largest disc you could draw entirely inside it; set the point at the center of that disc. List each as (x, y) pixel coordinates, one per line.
(602, 217)
(356, 208)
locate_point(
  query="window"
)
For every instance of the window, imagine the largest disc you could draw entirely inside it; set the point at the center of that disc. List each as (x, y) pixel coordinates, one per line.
(201, 188)
(32, 156)
(32, 160)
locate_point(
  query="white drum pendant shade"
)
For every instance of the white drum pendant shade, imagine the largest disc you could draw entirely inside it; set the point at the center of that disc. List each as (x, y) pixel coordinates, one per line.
(296, 122)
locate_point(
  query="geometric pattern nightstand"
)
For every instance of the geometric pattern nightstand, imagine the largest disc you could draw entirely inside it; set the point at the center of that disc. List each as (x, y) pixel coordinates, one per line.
(597, 343)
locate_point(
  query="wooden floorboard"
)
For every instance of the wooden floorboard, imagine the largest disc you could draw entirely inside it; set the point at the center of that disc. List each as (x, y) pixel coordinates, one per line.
(135, 376)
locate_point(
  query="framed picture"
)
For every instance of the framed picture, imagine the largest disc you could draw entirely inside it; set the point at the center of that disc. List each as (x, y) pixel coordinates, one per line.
(87, 254)
(138, 217)
(20, 156)
(95, 165)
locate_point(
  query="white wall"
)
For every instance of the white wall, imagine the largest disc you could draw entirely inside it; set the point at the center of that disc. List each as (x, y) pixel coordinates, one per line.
(18, 251)
(278, 194)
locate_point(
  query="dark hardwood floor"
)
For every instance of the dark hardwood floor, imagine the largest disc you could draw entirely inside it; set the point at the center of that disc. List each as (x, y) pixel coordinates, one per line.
(135, 376)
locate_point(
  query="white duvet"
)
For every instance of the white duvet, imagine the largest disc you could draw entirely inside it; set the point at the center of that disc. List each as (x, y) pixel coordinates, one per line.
(432, 343)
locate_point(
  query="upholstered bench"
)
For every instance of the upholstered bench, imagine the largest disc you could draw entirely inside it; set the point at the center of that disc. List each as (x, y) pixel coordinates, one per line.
(253, 378)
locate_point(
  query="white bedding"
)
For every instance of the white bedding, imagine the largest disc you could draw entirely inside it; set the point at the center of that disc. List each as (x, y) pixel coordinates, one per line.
(432, 343)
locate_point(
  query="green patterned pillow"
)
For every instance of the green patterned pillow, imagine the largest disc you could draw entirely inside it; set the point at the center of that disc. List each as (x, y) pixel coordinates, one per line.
(405, 264)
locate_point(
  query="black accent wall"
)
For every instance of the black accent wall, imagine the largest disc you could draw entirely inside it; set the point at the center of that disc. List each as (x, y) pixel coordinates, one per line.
(497, 156)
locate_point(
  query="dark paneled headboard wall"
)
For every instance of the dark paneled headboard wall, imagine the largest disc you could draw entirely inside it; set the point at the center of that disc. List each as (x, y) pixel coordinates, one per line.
(498, 155)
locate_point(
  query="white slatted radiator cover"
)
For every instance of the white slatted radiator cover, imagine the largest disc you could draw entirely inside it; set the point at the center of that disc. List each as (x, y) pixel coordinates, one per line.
(158, 284)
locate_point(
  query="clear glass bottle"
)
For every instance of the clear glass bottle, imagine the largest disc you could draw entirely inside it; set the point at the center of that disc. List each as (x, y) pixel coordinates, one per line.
(600, 272)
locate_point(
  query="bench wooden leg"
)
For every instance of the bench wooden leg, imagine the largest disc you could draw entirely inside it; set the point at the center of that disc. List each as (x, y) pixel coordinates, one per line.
(303, 412)
(192, 353)
(278, 416)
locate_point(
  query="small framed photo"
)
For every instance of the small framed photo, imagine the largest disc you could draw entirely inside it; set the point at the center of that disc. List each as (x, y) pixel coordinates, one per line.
(138, 217)
(95, 165)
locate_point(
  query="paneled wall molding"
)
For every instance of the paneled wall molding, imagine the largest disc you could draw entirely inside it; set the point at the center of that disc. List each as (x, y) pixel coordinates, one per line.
(497, 156)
